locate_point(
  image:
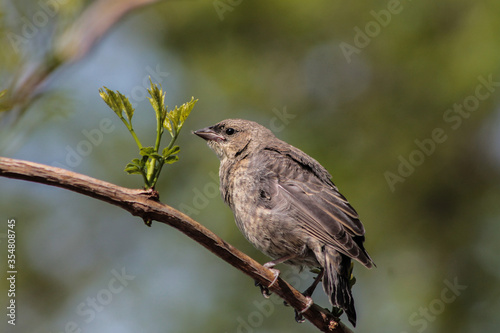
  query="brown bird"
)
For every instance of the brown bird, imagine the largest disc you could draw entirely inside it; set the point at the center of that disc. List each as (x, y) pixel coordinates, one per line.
(285, 204)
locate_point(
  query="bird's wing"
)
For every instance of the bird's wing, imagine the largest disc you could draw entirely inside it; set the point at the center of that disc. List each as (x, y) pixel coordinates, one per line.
(317, 206)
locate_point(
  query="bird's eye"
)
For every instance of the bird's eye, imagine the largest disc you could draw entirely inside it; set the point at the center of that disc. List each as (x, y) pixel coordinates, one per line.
(230, 131)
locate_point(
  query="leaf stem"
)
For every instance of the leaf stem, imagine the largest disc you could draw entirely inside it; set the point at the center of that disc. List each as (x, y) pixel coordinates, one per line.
(157, 174)
(153, 169)
(174, 137)
(135, 138)
(131, 130)
(146, 183)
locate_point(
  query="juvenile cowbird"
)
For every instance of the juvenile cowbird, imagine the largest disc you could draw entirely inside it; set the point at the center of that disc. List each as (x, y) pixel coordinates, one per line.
(285, 204)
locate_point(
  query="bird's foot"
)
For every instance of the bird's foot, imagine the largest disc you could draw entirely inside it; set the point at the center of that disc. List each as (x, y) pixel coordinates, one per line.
(263, 289)
(306, 293)
(309, 291)
(275, 272)
(299, 318)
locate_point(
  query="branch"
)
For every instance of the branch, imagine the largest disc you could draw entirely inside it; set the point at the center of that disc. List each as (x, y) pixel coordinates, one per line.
(93, 24)
(74, 43)
(145, 204)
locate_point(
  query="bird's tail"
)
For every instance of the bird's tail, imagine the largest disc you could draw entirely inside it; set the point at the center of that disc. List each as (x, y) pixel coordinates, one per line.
(336, 281)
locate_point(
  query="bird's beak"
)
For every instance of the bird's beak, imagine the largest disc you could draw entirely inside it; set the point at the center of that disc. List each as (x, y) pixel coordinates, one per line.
(209, 134)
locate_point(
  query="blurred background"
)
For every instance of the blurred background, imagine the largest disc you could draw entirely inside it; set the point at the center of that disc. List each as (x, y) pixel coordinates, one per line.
(399, 100)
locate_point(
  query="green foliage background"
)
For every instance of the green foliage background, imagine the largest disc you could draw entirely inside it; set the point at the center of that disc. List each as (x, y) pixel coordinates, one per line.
(278, 63)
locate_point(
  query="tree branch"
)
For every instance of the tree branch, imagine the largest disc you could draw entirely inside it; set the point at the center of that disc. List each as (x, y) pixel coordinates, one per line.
(145, 204)
(72, 45)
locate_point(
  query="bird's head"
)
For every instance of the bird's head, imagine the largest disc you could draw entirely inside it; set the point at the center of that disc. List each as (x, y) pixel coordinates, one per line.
(234, 138)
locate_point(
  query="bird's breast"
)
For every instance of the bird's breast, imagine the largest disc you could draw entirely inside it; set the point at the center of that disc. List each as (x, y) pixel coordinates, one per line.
(259, 216)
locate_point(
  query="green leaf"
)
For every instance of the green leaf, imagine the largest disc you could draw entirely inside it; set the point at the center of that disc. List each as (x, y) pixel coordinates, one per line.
(177, 116)
(156, 155)
(172, 123)
(132, 169)
(156, 99)
(136, 166)
(337, 312)
(129, 110)
(166, 152)
(147, 151)
(171, 159)
(117, 102)
(186, 109)
(109, 98)
(315, 270)
(163, 115)
(352, 278)
(167, 124)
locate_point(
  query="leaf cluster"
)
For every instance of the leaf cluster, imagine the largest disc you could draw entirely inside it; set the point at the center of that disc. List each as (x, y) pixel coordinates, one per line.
(151, 162)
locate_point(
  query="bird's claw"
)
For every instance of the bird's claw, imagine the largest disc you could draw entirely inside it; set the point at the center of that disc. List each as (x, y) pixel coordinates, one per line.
(263, 290)
(276, 276)
(299, 318)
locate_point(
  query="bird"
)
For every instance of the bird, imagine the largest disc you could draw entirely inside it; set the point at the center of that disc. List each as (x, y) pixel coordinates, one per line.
(286, 205)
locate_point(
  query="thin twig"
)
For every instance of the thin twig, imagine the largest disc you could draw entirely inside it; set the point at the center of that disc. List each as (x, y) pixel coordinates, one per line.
(74, 44)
